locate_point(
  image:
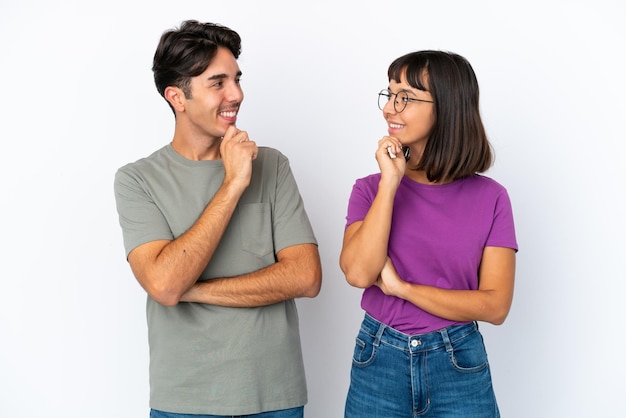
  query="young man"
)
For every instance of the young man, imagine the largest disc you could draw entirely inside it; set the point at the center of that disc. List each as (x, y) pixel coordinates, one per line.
(216, 232)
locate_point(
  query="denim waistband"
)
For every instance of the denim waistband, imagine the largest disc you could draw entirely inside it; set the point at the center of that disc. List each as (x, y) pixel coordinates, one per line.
(419, 342)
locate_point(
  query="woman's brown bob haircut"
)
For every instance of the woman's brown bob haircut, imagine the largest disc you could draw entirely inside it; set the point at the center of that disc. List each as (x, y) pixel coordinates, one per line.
(458, 146)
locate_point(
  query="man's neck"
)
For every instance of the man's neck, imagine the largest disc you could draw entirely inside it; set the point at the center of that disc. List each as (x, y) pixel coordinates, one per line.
(196, 148)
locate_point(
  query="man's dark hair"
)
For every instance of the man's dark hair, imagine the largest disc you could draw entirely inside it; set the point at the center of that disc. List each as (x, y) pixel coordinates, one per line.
(186, 52)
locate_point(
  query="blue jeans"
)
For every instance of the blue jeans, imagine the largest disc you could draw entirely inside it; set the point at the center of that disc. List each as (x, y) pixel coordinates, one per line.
(285, 413)
(440, 374)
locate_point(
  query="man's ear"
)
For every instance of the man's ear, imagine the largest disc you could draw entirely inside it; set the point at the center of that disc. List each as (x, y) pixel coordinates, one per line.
(175, 97)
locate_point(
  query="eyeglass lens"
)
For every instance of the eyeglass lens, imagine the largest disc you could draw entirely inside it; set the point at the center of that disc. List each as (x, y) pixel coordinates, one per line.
(399, 102)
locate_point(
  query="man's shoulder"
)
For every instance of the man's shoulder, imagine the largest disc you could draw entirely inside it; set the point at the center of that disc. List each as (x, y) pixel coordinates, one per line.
(269, 155)
(269, 151)
(151, 160)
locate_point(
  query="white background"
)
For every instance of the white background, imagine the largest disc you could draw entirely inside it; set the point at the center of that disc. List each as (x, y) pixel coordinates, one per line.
(78, 101)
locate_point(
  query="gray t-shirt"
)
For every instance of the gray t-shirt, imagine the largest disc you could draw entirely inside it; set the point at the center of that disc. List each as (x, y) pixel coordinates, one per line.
(207, 359)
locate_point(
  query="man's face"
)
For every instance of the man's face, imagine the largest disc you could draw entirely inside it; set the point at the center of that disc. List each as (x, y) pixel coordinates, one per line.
(216, 95)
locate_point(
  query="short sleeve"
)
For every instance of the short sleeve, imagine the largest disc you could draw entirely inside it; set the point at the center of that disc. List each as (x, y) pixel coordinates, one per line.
(502, 232)
(363, 193)
(291, 222)
(140, 218)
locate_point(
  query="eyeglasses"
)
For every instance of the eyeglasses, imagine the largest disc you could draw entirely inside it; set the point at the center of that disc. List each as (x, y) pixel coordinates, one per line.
(402, 98)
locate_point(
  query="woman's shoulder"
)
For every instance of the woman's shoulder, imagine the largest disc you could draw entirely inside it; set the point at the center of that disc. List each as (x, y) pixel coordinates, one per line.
(481, 185)
(370, 178)
(480, 180)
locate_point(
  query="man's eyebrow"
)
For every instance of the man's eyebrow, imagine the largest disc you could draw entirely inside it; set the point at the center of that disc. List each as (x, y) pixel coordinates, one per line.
(222, 76)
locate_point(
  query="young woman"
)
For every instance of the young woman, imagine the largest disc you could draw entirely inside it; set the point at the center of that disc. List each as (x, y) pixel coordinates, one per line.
(433, 244)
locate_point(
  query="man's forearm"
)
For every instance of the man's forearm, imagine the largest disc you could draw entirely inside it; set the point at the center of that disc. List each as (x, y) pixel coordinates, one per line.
(296, 274)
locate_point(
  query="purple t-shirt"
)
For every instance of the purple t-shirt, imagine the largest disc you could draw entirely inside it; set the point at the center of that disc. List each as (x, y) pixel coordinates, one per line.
(438, 233)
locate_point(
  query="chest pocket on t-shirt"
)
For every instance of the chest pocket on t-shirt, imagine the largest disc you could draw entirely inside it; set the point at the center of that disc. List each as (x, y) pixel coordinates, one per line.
(256, 228)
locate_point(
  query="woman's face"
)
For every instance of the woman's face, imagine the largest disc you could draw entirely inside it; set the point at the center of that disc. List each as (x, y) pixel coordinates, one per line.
(411, 126)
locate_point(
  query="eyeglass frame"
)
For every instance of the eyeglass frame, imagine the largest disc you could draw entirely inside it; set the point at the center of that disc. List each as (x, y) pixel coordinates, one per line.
(388, 93)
